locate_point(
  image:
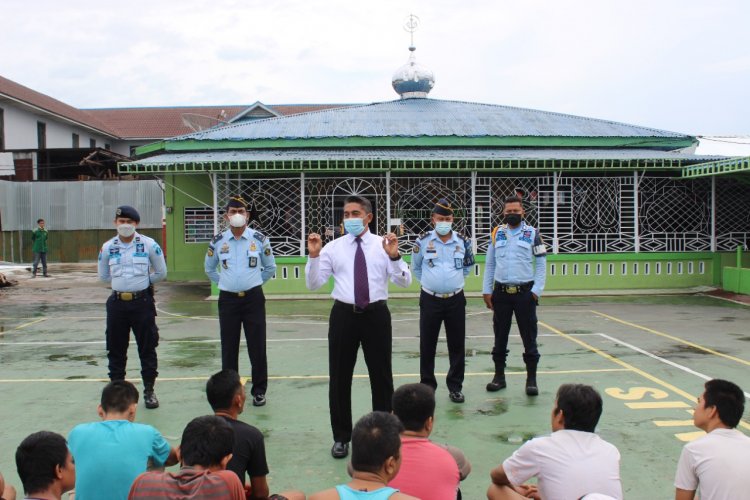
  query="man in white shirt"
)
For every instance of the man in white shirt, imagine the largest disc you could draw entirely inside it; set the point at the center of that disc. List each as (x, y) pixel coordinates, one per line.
(717, 463)
(570, 463)
(361, 264)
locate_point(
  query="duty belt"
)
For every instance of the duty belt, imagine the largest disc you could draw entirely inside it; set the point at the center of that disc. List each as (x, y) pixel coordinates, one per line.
(513, 289)
(442, 295)
(128, 296)
(239, 294)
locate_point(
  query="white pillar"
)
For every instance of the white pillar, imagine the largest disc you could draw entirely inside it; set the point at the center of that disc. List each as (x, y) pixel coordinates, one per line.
(555, 242)
(303, 228)
(713, 213)
(214, 187)
(387, 201)
(636, 209)
(474, 211)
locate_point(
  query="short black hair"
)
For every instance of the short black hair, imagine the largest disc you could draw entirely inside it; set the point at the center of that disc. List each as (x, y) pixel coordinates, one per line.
(413, 404)
(581, 406)
(39, 220)
(36, 459)
(364, 202)
(118, 395)
(375, 438)
(206, 441)
(221, 389)
(512, 199)
(728, 399)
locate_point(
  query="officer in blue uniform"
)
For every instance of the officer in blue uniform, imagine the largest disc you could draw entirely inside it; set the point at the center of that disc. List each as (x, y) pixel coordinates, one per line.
(240, 260)
(440, 261)
(132, 263)
(513, 282)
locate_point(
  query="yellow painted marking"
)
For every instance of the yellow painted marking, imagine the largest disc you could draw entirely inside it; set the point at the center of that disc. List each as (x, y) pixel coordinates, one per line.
(689, 436)
(672, 337)
(636, 393)
(620, 362)
(673, 423)
(304, 377)
(38, 320)
(657, 405)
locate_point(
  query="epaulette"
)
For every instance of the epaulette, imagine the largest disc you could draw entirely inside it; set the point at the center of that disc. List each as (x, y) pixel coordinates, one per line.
(461, 236)
(260, 236)
(424, 235)
(216, 238)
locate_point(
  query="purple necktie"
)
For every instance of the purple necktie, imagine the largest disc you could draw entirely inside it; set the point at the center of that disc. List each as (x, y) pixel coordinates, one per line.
(361, 285)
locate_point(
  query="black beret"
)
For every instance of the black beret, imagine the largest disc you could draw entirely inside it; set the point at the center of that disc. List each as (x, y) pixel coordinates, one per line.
(236, 202)
(127, 212)
(442, 207)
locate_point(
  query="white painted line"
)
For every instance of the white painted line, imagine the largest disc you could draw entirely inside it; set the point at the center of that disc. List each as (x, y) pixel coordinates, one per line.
(663, 360)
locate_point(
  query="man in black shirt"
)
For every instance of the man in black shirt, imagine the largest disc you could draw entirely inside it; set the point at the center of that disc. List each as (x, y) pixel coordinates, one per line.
(227, 399)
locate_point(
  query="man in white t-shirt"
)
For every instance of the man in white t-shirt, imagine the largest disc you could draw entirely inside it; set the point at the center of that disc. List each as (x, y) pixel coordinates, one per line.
(717, 463)
(570, 463)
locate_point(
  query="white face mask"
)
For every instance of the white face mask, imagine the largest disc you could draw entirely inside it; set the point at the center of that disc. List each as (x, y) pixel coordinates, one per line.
(126, 230)
(237, 220)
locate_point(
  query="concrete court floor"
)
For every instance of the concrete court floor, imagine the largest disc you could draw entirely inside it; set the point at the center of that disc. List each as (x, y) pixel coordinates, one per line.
(647, 355)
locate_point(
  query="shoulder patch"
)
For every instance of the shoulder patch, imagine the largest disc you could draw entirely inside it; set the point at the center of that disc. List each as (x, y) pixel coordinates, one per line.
(494, 234)
(260, 236)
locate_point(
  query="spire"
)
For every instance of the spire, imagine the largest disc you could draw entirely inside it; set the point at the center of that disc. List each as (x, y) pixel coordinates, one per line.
(412, 80)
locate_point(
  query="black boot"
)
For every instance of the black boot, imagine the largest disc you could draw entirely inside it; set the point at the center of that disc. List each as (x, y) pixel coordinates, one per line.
(149, 396)
(531, 388)
(498, 381)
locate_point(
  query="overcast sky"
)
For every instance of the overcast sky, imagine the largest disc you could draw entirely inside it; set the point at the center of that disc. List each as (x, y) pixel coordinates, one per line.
(681, 65)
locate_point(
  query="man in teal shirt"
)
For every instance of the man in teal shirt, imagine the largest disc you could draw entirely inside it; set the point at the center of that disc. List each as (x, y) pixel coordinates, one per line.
(110, 454)
(39, 247)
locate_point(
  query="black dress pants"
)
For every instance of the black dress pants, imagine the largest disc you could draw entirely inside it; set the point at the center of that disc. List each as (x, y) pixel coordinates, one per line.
(346, 331)
(505, 305)
(140, 316)
(434, 311)
(248, 312)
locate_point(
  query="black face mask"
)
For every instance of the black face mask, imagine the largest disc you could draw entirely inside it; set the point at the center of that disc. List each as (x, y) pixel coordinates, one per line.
(512, 219)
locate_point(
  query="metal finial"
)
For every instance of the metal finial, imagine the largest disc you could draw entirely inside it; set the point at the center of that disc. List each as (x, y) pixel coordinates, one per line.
(410, 26)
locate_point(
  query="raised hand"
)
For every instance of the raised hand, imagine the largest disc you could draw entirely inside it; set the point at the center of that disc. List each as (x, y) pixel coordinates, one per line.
(314, 244)
(390, 245)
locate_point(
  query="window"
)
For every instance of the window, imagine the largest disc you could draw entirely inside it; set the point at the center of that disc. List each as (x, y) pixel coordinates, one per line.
(199, 224)
(701, 267)
(2, 129)
(647, 268)
(41, 135)
(76, 141)
(635, 268)
(92, 143)
(107, 146)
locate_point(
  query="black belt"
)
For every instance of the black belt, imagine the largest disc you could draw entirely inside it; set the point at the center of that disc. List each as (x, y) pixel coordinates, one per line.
(513, 289)
(370, 307)
(238, 294)
(128, 296)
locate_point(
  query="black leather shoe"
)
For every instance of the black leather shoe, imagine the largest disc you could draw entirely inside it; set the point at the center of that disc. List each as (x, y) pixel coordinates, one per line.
(498, 382)
(340, 450)
(149, 397)
(259, 400)
(457, 397)
(531, 387)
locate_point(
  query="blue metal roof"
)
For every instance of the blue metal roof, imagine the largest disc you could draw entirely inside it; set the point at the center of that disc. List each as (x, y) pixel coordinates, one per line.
(426, 118)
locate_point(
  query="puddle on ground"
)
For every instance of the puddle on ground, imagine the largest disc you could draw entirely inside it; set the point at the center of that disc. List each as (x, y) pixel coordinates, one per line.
(89, 359)
(493, 407)
(727, 319)
(745, 339)
(306, 383)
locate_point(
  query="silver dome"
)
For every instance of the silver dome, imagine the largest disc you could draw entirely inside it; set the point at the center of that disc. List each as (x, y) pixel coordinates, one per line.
(412, 80)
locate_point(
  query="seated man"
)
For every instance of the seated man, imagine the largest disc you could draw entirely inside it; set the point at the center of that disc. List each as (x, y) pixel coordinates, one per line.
(375, 458)
(7, 492)
(571, 462)
(110, 454)
(204, 452)
(45, 466)
(227, 398)
(427, 470)
(717, 463)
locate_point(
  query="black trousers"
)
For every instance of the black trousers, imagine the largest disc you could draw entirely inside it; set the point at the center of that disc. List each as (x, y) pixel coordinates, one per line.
(138, 315)
(434, 311)
(505, 306)
(248, 312)
(348, 329)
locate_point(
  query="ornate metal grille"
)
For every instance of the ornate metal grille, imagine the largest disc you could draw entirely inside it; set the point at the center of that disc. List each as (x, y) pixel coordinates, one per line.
(573, 213)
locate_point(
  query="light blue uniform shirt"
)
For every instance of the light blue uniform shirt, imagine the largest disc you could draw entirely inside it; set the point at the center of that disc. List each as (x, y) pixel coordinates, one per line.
(441, 266)
(516, 256)
(240, 264)
(128, 266)
(109, 455)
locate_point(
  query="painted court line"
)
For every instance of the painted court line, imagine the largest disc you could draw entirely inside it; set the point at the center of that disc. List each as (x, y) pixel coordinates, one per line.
(663, 360)
(672, 337)
(309, 377)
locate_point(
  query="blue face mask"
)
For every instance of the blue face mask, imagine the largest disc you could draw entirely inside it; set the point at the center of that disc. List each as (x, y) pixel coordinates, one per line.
(354, 226)
(442, 228)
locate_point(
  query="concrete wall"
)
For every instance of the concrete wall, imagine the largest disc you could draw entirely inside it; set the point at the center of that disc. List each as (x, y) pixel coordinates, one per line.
(736, 279)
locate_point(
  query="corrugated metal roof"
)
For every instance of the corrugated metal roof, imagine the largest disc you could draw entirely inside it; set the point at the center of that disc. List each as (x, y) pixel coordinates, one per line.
(426, 118)
(280, 155)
